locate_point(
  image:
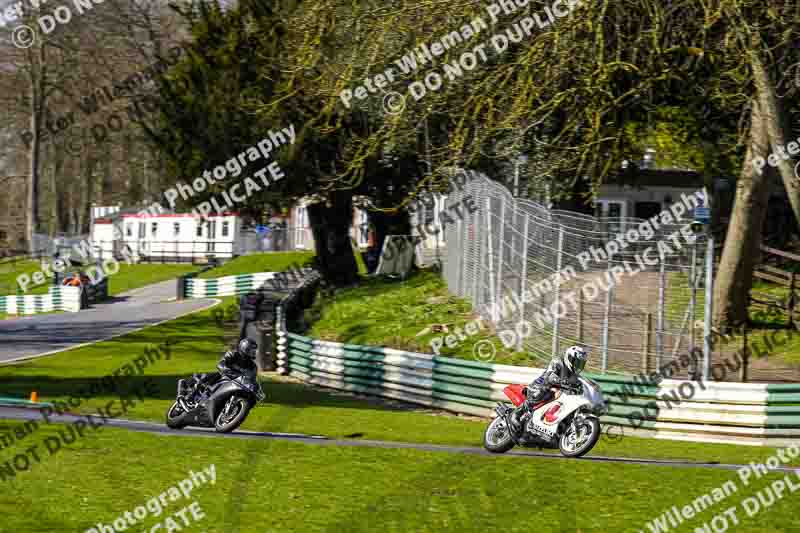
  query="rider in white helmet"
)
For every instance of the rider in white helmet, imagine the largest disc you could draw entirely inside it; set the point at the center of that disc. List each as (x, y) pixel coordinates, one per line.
(562, 371)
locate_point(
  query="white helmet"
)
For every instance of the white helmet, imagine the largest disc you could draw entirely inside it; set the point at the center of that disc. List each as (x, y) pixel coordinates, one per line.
(575, 358)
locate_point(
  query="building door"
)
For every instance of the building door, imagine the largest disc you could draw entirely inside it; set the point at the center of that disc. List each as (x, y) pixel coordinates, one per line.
(142, 246)
(212, 234)
(301, 229)
(611, 212)
(646, 210)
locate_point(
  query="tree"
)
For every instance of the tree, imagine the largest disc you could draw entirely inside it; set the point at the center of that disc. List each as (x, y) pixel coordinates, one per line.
(743, 238)
(249, 70)
(583, 78)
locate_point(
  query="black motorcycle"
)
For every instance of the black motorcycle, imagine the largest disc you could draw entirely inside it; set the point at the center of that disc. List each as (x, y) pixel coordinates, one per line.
(222, 405)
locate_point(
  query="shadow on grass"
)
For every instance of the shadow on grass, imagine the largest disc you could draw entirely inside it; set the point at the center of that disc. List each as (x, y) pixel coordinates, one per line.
(165, 387)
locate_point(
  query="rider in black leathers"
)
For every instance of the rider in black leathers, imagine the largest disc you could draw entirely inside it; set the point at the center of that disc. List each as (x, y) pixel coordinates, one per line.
(562, 372)
(241, 360)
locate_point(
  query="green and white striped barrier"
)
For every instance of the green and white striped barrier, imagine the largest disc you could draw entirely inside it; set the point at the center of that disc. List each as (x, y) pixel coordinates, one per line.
(740, 413)
(228, 285)
(6, 401)
(57, 299)
(723, 412)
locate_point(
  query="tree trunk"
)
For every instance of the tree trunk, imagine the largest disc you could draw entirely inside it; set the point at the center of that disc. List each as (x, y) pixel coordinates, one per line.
(389, 224)
(577, 198)
(55, 199)
(776, 129)
(330, 225)
(32, 201)
(743, 238)
(87, 192)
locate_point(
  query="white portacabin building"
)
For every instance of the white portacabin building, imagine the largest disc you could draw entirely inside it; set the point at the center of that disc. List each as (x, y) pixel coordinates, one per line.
(174, 237)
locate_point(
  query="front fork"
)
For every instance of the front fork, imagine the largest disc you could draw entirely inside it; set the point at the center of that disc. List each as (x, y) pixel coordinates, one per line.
(226, 411)
(505, 412)
(577, 423)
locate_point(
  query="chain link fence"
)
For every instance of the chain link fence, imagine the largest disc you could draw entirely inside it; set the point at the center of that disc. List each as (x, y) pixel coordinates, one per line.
(505, 256)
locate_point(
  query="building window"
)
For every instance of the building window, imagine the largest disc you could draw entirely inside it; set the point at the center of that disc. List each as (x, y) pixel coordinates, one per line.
(225, 226)
(199, 229)
(153, 229)
(129, 230)
(176, 229)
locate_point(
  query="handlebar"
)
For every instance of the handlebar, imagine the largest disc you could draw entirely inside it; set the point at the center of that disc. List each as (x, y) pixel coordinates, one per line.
(577, 389)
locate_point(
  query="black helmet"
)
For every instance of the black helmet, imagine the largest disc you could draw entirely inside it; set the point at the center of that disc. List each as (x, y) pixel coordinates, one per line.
(248, 347)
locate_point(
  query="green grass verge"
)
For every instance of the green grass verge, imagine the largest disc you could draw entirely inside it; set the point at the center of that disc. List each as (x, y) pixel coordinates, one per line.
(134, 276)
(10, 271)
(283, 486)
(128, 278)
(392, 313)
(266, 262)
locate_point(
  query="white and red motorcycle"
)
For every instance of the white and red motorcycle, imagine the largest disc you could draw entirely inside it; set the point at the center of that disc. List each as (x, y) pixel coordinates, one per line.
(568, 421)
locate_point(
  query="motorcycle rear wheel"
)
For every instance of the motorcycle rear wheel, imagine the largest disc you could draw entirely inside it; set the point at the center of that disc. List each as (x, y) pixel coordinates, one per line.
(240, 408)
(497, 437)
(570, 448)
(175, 416)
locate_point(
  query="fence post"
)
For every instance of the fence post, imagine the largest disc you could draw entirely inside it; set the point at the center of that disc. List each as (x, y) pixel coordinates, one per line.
(476, 270)
(745, 355)
(523, 279)
(693, 278)
(709, 293)
(451, 267)
(791, 303)
(580, 321)
(646, 348)
(661, 297)
(607, 316)
(464, 254)
(492, 301)
(500, 249)
(556, 295)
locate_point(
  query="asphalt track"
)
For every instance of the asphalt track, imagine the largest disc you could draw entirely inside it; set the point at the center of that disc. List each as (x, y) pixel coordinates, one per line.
(38, 335)
(22, 413)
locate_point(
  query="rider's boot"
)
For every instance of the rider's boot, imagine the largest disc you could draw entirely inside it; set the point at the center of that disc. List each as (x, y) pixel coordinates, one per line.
(515, 419)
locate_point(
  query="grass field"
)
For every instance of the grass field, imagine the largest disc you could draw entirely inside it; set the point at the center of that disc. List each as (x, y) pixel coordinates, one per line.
(10, 271)
(129, 277)
(134, 276)
(266, 262)
(284, 486)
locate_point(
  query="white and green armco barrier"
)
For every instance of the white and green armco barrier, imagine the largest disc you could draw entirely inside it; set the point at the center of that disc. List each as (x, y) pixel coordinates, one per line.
(719, 412)
(226, 286)
(723, 412)
(57, 299)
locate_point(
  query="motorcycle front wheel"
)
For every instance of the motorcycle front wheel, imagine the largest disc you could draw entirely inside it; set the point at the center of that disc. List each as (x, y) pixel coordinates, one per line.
(576, 444)
(497, 437)
(232, 413)
(175, 416)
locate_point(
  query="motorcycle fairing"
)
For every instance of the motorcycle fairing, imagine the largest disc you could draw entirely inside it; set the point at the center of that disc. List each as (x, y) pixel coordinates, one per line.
(569, 404)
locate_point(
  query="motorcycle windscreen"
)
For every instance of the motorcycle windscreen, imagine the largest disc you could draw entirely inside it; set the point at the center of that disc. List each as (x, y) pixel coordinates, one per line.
(515, 394)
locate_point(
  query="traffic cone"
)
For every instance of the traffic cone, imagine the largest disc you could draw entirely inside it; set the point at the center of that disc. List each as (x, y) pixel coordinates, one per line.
(34, 396)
